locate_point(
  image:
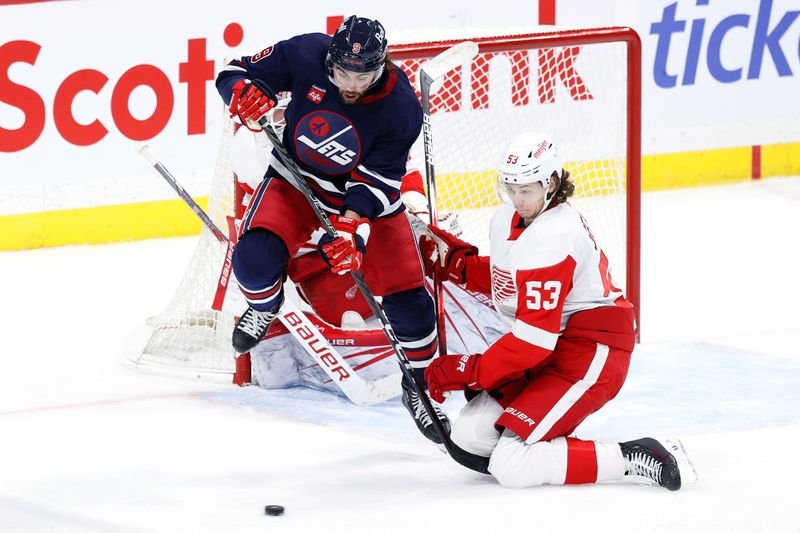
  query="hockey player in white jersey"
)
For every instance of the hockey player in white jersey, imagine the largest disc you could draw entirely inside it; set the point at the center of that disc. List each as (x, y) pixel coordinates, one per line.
(571, 338)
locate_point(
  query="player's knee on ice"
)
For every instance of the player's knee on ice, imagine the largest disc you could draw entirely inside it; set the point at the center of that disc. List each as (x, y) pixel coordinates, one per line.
(474, 429)
(516, 464)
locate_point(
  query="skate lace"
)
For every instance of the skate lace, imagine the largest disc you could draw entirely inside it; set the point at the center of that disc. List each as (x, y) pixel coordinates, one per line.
(253, 322)
(420, 413)
(644, 468)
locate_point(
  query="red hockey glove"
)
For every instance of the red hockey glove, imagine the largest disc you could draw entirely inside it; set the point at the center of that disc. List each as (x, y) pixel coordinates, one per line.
(345, 253)
(451, 372)
(251, 100)
(455, 252)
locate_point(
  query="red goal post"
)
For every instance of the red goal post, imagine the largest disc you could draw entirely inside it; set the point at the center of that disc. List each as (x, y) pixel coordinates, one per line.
(582, 86)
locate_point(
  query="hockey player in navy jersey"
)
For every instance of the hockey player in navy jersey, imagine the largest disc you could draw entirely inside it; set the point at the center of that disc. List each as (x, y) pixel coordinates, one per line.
(349, 127)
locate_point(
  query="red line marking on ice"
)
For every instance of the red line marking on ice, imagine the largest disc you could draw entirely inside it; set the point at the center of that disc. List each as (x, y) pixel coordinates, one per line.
(13, 2)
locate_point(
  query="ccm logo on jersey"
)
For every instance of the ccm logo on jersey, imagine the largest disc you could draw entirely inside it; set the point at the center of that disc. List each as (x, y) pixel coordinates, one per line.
(262, 54)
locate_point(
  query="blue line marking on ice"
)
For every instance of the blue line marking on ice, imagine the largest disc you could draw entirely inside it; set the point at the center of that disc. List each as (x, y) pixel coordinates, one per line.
(697, 388)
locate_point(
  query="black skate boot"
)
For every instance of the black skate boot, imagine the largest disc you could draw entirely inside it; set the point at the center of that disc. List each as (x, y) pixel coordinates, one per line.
(252, 327)
(414, 405)
(648, 462)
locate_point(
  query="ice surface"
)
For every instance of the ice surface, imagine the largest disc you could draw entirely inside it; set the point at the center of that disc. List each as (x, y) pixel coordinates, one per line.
(86, 445)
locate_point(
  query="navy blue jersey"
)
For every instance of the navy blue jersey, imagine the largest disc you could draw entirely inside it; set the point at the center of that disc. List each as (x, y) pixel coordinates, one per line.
(354, 156)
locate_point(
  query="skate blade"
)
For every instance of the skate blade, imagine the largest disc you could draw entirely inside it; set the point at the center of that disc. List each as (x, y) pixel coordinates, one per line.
(688, 472)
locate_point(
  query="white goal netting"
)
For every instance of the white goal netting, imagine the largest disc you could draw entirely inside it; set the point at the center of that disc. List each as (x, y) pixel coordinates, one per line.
(523, 81)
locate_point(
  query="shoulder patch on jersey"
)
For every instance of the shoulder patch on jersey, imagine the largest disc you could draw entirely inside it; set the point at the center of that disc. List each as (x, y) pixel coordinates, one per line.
(262, 54)
(316, 94)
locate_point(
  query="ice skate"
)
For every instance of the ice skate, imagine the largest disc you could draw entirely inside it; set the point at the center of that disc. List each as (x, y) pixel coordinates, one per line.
(413, 403)
(650, 461)
(252, 327)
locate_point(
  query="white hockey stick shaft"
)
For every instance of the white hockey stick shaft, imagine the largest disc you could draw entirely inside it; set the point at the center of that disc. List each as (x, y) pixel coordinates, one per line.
(431, 71)
(316, 345)
(357, 390)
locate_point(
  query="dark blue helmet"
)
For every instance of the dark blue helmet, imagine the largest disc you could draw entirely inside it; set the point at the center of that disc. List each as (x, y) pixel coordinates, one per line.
(358, 45)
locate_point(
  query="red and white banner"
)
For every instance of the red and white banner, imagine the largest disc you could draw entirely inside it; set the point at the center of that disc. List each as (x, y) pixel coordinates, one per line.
(82, 81)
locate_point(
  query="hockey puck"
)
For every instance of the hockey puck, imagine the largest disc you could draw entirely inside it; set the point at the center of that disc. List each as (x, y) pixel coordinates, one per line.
(273, 510)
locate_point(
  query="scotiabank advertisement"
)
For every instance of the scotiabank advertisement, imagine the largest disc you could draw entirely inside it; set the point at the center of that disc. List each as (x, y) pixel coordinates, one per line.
(83, 81)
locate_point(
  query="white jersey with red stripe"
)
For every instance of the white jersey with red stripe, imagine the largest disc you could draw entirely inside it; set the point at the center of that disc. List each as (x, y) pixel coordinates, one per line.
(541, 276)
(544, 273)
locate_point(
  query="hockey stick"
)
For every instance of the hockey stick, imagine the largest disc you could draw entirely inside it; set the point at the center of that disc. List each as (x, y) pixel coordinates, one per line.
(469, 460)
(185, 196)
(357, 390)
(430, 72)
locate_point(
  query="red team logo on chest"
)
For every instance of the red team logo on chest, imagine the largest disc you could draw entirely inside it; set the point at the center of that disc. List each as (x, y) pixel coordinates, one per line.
(503, 285)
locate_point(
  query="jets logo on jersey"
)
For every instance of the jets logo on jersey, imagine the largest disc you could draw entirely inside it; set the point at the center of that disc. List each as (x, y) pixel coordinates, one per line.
(319, 126)
(327, 142)
(261, 55)
(503, 285)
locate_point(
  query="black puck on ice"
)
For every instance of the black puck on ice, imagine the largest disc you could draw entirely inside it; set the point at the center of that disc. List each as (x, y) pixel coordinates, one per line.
(273, 510)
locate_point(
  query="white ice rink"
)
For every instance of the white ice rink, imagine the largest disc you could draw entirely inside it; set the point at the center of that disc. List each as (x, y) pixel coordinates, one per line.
(88, 446)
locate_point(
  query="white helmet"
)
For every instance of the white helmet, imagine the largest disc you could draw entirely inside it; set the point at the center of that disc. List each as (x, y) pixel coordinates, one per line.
(531, 157)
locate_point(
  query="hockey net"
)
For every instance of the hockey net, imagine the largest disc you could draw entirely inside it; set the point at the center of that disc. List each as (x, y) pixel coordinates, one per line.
(582, 86)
